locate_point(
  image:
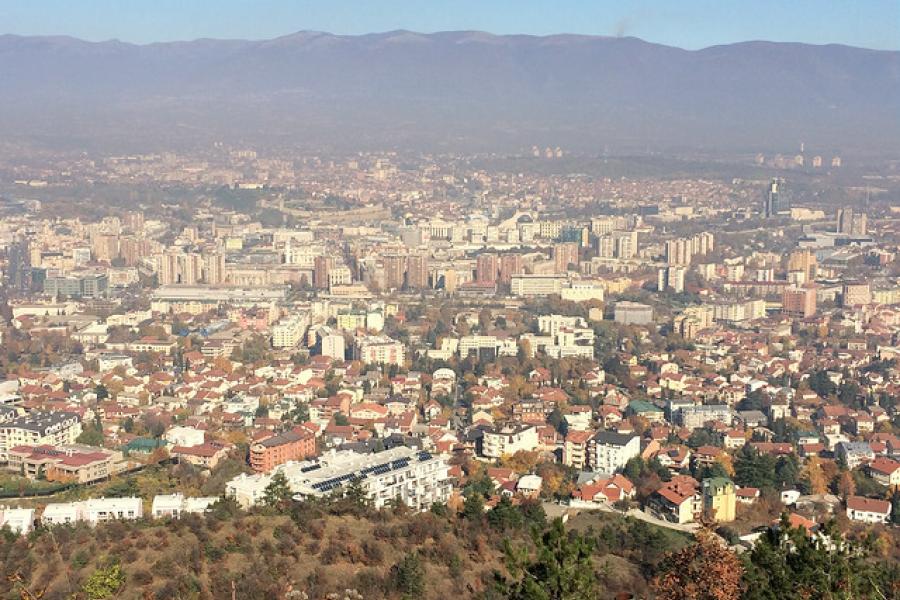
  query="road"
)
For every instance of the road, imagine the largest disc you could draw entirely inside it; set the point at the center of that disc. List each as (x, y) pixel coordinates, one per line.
(554, 510)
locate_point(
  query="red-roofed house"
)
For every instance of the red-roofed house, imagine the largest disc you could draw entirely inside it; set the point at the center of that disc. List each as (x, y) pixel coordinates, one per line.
(868, 510)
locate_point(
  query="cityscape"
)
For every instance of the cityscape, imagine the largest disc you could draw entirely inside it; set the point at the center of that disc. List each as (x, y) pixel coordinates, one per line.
(248, 369)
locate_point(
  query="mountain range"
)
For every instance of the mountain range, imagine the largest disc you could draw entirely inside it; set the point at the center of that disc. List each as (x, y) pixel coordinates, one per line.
(451, 91)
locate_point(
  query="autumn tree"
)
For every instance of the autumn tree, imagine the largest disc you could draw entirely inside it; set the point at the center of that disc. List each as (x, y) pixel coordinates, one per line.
(846, 486)
(813, 476)
(705, 570)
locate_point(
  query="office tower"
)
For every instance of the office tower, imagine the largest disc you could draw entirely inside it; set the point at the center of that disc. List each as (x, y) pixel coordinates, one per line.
(565, 254)
(321, 267)
(394, 271)
(486, 268)
(774, 202)
(417, 272)
(844, 220)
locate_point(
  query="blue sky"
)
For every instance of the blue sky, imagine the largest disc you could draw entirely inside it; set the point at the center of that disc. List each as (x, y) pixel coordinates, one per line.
(685, 23)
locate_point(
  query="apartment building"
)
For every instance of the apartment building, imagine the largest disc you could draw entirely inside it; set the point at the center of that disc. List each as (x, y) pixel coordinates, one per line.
(270, 452)
(609, 451)
(506, 440)
(416, 478)
(80, 464)
(39, 429)
(93, 511)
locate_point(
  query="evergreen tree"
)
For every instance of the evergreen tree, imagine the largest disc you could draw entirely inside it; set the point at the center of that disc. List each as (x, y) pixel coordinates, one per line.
(278, 492)
(559, 569)
(792, 564)
(408, 577)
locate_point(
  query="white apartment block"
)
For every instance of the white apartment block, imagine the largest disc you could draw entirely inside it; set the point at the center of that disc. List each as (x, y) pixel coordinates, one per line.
(94, 511)
(415, 477)
(609, 451)
(509, 439)
(18, 520)
(582, 291)
(39, 428)
(379, 349)
(175, 505)
(525, 285)
(290, 330)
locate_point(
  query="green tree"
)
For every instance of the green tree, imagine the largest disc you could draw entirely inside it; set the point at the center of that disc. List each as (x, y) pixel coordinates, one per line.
(408, 577)
(104, 583)
(91, 436)
(504, 516)
(790, 564)
(559, 569)
(473, 508)
(278, 492)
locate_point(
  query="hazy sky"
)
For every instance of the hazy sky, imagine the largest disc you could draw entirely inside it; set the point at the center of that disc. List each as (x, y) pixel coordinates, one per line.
(684, 23)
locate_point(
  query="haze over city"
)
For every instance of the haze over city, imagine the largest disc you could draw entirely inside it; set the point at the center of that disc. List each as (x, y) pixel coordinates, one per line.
(492, 300)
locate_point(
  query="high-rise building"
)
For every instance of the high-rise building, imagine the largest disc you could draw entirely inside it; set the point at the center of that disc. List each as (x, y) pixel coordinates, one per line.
(321, 267)
(191, 266)
(486, 268)
(105, 247)
(565, 254)
(133, 249)
(394, 271)
(167, 267)
(774, 201)
(799, 302)
(849, 222)
(134, 221)
(510, 264)
(671, 278)
(214, 268)
(606, 246)
(626, 244)
(805, 261)
(417, 272)
(679, 252)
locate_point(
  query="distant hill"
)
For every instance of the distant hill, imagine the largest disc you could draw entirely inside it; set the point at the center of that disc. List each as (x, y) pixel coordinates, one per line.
(452, 90)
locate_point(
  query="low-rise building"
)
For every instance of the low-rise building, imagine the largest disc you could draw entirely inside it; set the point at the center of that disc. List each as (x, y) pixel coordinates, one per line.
(175, 505)
(868, 510)
(93, 511)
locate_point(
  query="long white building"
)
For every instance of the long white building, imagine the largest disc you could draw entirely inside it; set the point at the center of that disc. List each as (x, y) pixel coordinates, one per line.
(417, 478)
(93, 511)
